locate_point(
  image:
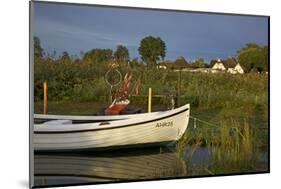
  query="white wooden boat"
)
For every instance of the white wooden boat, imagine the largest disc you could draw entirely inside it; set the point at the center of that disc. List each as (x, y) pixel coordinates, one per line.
(149, 129)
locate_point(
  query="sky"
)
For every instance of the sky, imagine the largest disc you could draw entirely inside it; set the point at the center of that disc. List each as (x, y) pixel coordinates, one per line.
(76, 28)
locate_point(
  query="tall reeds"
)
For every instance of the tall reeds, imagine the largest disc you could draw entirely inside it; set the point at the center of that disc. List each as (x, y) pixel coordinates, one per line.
(232, 146)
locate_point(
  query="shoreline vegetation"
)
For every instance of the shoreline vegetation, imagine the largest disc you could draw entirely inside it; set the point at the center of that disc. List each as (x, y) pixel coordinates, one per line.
(236, 103)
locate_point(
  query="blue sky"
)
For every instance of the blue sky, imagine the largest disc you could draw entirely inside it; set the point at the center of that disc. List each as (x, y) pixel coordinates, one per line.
(75, 28)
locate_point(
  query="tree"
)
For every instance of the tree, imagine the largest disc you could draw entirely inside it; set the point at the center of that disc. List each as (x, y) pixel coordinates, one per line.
(134, 63)
(65, 57)
(38, 51)
(98, 55)
(264, 58)
(152, 49)
(249, 46)
(253, 57)
(121, 54)
(198, 63)
(180, 62)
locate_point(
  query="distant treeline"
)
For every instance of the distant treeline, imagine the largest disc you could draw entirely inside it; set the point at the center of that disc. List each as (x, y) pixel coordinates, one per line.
(152, 51)
(82, 78)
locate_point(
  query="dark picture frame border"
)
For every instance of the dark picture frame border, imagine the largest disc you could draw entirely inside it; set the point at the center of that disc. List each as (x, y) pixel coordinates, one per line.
(31, 94)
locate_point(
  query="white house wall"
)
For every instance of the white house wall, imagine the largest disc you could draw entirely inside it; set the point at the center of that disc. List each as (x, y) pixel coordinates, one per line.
(219, 66)
(239, 69)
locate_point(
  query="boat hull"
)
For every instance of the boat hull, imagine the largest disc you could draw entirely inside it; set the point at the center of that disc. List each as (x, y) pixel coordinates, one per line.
(148, 130)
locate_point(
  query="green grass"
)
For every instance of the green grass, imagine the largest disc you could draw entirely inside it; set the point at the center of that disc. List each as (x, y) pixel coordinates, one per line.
(232, 102)
(235, 144)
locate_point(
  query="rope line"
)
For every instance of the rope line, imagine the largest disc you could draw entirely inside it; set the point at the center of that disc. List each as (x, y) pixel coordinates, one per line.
(200, 120)
(195, 125)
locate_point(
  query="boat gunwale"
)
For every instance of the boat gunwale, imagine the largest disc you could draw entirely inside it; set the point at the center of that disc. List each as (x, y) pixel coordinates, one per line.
(114, 127)
(90, 118)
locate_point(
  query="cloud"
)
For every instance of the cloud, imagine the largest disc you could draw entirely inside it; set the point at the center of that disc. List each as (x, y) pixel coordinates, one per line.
(61, 29)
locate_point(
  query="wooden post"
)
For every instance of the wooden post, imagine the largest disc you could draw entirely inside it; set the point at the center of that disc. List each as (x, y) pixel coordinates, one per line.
(45, 96)
(149, 100)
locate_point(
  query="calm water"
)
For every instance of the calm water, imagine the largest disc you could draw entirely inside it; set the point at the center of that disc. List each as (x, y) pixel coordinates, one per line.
(121, 165)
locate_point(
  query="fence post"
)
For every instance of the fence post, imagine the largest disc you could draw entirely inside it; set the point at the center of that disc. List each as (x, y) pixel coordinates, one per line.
(45, 96)
(149, 100)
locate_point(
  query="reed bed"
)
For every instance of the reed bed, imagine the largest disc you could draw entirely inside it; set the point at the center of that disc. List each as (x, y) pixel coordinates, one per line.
(232, 147)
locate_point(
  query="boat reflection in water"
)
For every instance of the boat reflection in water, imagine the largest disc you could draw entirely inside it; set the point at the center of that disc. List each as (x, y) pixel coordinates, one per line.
(122, 165)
